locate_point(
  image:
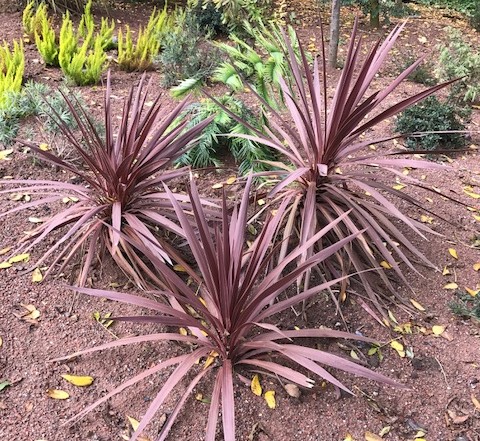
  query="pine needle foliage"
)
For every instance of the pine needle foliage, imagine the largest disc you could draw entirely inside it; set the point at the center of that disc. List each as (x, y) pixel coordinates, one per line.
(12, 66)
(228, 308)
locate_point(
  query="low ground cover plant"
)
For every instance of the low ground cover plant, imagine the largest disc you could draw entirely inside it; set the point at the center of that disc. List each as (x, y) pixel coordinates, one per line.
(327, 172)
(227, 310)
(119, 192)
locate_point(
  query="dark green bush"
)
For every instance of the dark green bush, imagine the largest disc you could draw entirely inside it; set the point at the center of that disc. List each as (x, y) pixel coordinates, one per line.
(431, 115)
(423, 74)
(475, 18)
(208, 18)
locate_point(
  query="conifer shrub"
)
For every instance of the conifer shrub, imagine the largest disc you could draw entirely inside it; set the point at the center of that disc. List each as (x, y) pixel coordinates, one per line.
(82, 63)
(45, 37)
(12, 65)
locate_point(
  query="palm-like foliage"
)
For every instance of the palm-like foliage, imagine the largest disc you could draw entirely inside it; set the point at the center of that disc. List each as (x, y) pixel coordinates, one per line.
(326, 172)
(121, 183)
(228, 310)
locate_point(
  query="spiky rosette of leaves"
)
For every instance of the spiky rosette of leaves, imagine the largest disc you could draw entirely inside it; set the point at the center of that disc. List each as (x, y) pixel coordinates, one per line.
(329, 169)
(120, 196)
(228, 310)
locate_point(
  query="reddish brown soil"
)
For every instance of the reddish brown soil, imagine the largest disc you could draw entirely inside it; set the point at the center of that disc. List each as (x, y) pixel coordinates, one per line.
(441, 378)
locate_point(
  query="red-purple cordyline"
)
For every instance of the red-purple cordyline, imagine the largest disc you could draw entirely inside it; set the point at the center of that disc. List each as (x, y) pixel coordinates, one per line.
(327, 173)
(121, 184)
(229, 310)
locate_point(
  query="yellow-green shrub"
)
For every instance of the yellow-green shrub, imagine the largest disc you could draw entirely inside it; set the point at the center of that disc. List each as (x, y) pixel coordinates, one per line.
(45, 37)
(28, 20)
(82, 63)
(140, 55)
(87, 25)
(12, 65)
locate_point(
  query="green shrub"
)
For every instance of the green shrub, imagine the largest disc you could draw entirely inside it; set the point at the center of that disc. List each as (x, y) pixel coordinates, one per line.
(213, 145)
(84, 63)
(431, 115)
(423, 74)
(460, 60)
(140, 55)
(207, 17)
(86, 27)
(12, 65)
(475, 18)
(466, 305)
(186, 54)
(45, 37)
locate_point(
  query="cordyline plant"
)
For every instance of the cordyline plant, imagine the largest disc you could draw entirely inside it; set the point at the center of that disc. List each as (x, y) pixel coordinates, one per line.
(228, 310)
(327, 174)
(120, 195)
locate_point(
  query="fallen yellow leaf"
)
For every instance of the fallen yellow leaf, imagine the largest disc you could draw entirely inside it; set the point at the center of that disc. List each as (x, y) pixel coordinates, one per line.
(348, 437)
(210, 359)
(476, 266)
(261, 202)
(399, 186)
(472, 194)
(44, 147)
(385, 264)
(369, 436)
(182, 331)
(475, 402)
(19, 258)
(270, 399)
(472, 292)
(426, 219)
(4, 154)
(417, 305)
(4, 265)
(453, 253)
(392, 317)
(78, 380)
(451, 285)
(216, 186)
(438, 329)
(398, 347)
(476, 217)
(231, 180)
(255, 386)
(5, 250)
(57, 394)
(37, 275)
(1, 341)
(445, 271)
(133, 422)
(179, 268)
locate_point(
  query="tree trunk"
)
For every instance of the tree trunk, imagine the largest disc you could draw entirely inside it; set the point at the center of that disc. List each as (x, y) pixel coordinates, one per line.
(334, 33)
(375, 13)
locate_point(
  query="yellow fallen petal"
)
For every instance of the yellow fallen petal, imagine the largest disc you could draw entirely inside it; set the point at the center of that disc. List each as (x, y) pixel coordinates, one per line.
(385, 264)
(270, 399)
(476, 266)
(231, 180)
(57, 394)
(78, 380)
(417, 305)
(255, 386)
(398, 186)
(37, 275)
(445, 271)
(44, 147)
(453, 253)
(451, 285)
(4, 265)
(438, 329)
(261, 202)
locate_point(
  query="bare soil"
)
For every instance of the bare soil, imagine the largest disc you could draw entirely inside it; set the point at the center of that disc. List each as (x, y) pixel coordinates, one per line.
(442, 373)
